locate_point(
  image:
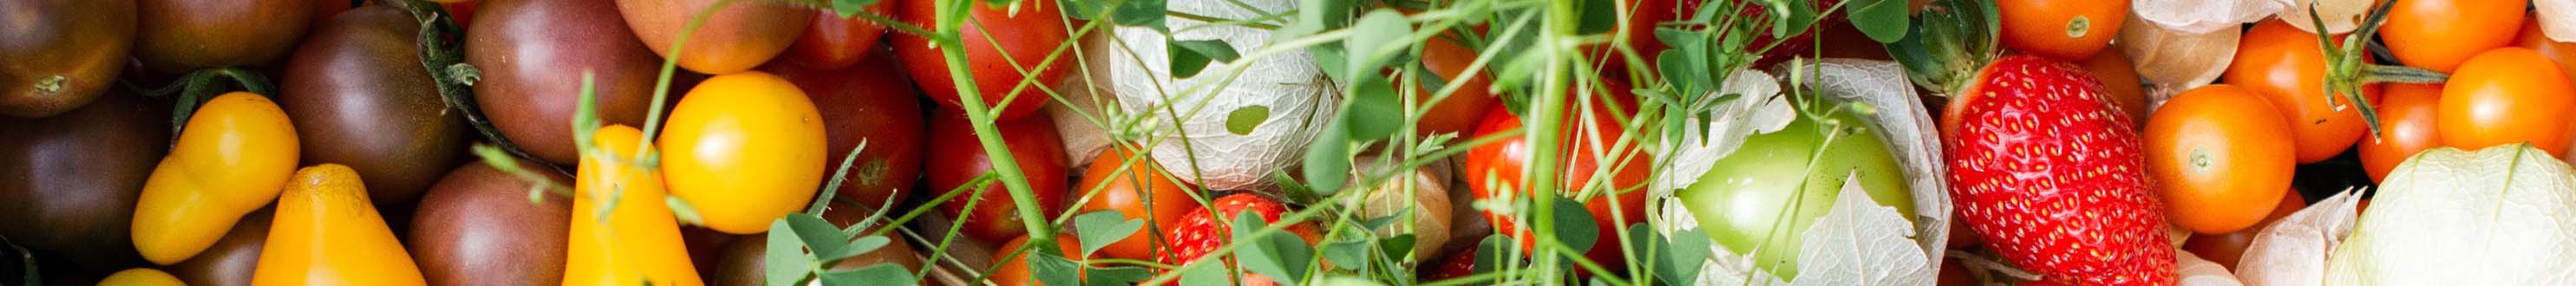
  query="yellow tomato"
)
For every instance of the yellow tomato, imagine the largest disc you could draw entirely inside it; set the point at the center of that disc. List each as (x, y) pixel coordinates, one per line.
(639, 241)
(744, 149)
(232, 159)
(328, 233)
(141, 277)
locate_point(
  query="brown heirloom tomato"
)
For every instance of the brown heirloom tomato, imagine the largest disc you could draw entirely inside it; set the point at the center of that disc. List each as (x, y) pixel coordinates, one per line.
(870, 102)
(1032, 141)
(61, 53)
(477, 227)
(182, 35)
(533, 54)
(739, 36)
(357, 92)
(68, 183)
(1024, 39)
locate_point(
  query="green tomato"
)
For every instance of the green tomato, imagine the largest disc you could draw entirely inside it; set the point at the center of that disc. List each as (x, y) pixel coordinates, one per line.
(1745, 197)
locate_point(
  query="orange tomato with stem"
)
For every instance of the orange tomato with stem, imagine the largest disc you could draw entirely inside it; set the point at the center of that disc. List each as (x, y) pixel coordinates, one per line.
(1136, 187)
(2508, 95)
(2219, 157)
(2406, 126)
(2061, 29)
(2288, 67)
(2439, 35)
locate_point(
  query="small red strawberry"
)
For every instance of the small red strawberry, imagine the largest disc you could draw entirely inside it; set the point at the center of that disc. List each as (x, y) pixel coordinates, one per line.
(1457, 264)
(1200, 232)
(2042, 166)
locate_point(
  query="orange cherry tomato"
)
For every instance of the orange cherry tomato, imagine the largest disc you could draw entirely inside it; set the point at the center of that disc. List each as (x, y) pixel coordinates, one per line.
(2508, 95)
(2287, 66)
(1136, 187)
(2061, 29)
(2563, 52)
(2120, 81)
(744, 149)
(2220, 157)
(1011, 266)
(2406, 126)
(2439, 35)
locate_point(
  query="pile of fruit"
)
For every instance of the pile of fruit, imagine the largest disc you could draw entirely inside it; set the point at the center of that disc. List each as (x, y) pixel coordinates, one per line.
(1287, 142)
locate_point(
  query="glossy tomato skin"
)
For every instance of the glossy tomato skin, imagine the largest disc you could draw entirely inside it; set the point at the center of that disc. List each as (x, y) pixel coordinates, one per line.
(745, 149)
(477, 227)
(2532, 38)
(833, 42)
(2439, 35)
(737, 38)
(356, 88)
(2220, 156)
(2504, 96)
(2287, 66)
(61, 53)
(69, 183)
(1136, 187)
(1504, 162)
(1025, 39)
(2061, 29)
(869, 102)
(1035, 145)
(533, 53)
(1458, 113)
(175, 36)
(2406, 126)
(1785, 180)
(233, 258)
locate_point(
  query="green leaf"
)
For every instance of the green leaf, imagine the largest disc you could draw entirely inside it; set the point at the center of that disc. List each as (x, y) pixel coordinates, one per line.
(1376, 40)
(1100, 228)
(1190, 57)
(1599, 16)
(1204, 274)
(1347, 254)
(1126, 275)
(1791, 17)
(1374, 111)
(1328, 161)
(1682, 252)
(1276, 255)
(881, 274)
(1242, 121)
(1140, 13)
(1214, 49)
(1052, 269)
(1398, 246)
(827, 241)
(1883, 20)
(1574, 226)
(848, 8)
(785, 259)
(1489, 254)
(863, 245)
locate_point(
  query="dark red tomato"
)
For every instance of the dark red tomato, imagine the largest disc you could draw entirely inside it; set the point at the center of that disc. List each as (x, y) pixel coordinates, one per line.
(68, 183)
(736, 38)
(1504, 162)
(533, 54)
(834, 42)
(867, 102)
(358, 96)
(476, 227)
(176, 36)
(1025, 39)
(324, 9)
(1033, 142)
(1456, 114)
(61, 53)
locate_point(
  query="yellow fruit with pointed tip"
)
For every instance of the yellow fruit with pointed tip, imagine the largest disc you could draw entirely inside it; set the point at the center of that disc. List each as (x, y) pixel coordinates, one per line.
(141, 277)
(638, 241)
(231, 159)
(328, 233)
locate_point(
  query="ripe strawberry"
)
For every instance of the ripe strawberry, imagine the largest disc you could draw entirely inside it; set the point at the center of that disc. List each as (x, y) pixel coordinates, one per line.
(2042, 166)
(1457, 264)
(1200, 232)
(2049, 173)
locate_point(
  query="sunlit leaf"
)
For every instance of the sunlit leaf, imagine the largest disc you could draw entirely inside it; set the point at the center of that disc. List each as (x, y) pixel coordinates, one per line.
(785, 258)
(1100, 228)
(1052, 269)
(1242, 121)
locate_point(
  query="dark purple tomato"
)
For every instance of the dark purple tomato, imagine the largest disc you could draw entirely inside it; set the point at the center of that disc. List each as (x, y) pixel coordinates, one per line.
(61, 53)
(870, 101)
(68, 183)
(359, 96)
(176, 36)
(477, 227)
(233, 258)
(533, 54)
